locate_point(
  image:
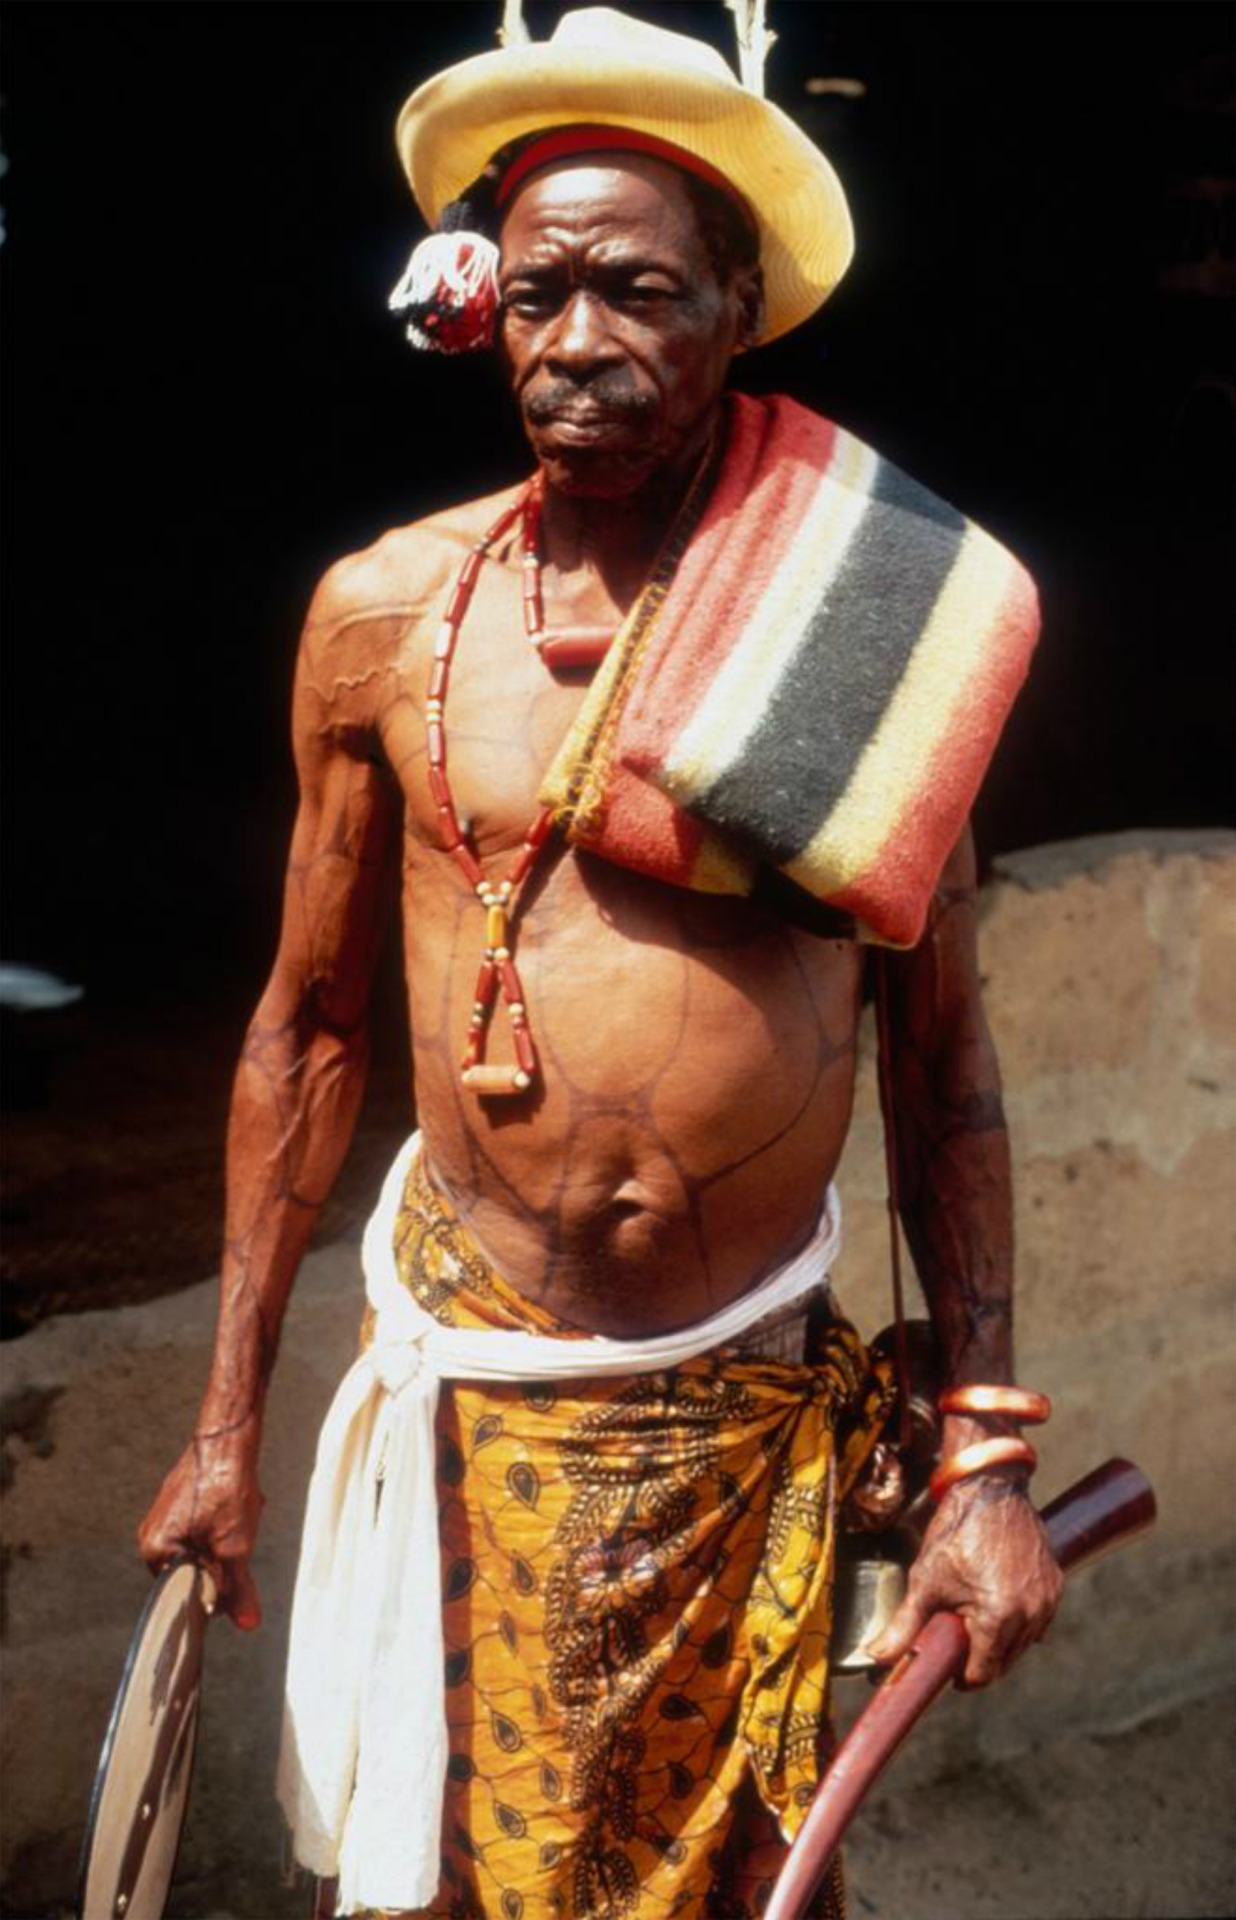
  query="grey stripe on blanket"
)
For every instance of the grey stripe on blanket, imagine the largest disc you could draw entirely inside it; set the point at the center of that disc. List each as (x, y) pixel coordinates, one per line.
(834, 692)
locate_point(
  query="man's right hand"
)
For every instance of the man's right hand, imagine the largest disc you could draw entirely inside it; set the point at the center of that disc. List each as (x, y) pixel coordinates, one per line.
(209, 1507)
(302, 1069)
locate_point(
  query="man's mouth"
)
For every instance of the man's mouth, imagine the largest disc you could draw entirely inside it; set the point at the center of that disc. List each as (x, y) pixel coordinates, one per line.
(572, 419)
(582, 426)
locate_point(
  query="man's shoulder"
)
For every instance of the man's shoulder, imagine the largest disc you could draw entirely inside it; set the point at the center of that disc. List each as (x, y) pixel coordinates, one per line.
(404, 573)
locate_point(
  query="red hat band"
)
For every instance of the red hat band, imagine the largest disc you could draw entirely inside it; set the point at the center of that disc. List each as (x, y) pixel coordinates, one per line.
(562, 142)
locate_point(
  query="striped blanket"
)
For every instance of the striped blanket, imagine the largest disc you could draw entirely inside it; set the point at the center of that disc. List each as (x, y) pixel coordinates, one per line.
(814, 677)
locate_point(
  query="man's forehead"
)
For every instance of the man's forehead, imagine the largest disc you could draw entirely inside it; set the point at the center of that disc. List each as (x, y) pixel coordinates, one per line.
(614, 191)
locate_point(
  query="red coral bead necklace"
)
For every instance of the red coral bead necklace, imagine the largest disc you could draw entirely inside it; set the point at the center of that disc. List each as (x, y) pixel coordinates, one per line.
(562, 649)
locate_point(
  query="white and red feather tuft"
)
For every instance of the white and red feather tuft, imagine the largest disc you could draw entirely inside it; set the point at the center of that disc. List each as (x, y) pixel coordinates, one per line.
(449, 290)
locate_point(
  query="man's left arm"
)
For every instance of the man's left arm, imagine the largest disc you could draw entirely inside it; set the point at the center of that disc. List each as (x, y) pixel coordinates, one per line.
(985, 1555)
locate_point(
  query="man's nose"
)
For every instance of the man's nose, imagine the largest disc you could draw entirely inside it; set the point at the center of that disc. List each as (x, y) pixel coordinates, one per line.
(582, 343)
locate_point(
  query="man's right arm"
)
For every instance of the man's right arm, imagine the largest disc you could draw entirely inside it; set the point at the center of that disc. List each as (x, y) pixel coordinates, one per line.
(294, 1106)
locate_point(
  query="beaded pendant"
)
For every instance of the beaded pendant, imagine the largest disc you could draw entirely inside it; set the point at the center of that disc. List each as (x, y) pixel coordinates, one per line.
(562, 649)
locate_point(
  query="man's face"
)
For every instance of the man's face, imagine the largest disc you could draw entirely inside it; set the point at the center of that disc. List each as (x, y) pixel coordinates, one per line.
(614, 325)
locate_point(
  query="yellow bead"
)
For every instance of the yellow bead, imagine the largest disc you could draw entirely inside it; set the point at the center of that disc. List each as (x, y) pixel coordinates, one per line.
(495, 925)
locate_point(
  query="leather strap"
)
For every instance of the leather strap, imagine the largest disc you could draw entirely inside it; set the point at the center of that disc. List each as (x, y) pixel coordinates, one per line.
(884, 1073)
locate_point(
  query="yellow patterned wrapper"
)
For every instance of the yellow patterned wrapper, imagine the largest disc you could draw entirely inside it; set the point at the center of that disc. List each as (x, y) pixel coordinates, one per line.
(637, 1586)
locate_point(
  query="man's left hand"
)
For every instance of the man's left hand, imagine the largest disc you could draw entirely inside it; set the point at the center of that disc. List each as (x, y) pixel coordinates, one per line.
(985, 1556)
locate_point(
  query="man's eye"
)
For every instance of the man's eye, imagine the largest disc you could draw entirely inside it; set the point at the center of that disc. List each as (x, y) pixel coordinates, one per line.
(528, 300)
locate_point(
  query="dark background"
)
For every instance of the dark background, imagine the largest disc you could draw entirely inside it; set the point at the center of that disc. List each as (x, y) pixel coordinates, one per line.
(207, 402)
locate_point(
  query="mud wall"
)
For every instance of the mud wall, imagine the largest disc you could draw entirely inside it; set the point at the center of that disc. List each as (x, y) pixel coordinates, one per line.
(1110, 969)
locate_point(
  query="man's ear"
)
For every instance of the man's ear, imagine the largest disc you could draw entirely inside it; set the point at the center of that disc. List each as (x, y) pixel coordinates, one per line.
(750, 291)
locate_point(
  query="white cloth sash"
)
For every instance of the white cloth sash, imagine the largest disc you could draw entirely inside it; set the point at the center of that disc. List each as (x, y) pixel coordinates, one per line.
(362, 1765)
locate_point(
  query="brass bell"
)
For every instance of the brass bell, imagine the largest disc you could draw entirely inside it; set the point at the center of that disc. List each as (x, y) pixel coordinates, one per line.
(868, 1590)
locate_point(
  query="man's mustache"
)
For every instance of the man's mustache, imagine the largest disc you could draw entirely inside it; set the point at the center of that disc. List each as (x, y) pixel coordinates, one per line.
(563, 399)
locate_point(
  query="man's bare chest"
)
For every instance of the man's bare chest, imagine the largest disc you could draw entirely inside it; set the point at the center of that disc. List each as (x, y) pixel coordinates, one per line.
(505, 716)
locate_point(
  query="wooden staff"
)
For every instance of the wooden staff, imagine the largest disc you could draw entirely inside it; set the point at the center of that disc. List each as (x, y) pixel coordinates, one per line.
(1104, 1510)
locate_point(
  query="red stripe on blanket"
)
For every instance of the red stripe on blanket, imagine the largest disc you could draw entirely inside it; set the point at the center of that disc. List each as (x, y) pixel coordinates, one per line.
(721, 580)
(642, 828)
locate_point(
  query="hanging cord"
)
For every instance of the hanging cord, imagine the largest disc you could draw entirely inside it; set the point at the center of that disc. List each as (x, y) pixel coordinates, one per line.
(755, 38)
(884, 1074)
(514, 29)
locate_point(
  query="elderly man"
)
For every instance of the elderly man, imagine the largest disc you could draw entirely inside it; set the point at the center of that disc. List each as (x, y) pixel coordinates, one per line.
(596, 1684)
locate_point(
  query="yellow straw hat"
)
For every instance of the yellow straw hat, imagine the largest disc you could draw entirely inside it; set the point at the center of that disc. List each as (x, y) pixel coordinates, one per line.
(602, 68)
